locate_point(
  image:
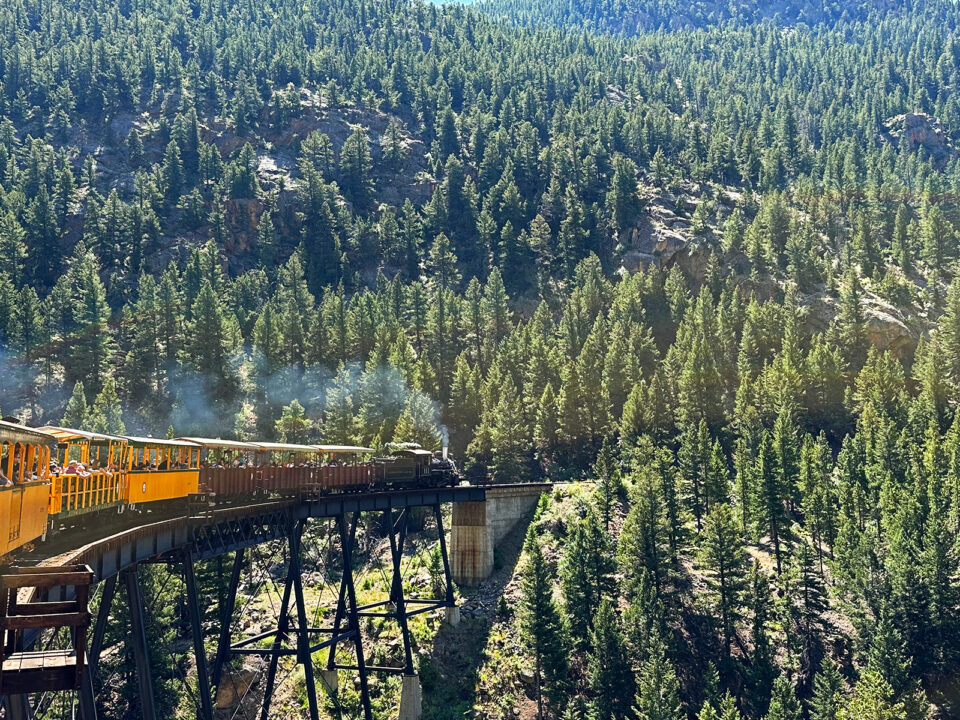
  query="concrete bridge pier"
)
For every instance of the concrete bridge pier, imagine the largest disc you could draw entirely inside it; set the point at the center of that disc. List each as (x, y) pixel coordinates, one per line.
(331, 680)
(478, 527)
(411, 699)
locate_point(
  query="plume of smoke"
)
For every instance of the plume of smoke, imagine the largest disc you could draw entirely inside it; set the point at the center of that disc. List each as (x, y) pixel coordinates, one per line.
(189, 401)
(25, 392)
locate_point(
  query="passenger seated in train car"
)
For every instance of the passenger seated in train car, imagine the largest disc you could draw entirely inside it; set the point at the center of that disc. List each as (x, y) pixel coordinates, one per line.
(4, 480)
(16, 470)
(13, 474)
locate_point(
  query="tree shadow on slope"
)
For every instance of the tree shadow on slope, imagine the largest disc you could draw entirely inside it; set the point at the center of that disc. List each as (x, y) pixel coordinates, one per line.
(449, 674)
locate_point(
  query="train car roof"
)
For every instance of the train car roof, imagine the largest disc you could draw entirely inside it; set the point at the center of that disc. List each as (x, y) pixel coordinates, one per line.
(412, 451)
(219, 443)
(12, 432)
(343, 449)
(159, 442)
(286, 447)
(63, 434)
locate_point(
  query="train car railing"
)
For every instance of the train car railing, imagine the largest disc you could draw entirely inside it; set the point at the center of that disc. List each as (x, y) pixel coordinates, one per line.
(73, 493)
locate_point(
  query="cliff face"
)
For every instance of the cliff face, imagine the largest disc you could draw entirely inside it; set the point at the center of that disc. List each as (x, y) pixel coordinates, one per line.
(919, 131)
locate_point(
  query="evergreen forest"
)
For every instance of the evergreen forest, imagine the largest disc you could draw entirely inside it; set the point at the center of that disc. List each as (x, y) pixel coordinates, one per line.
(701, 259)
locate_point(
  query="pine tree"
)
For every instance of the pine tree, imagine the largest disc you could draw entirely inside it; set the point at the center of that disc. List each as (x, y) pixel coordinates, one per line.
(887, 657)
(644, 545)
(339, 417)
(418, 422)
(75, 414)
(509, 437)
(106, 414)
(700, 384)
(546, 427)
(586, 574)
(623, 203)
(293, 425)
(818, 497)
(608, 478)
(92, 345)
(938, 562)
(827, 693)
(939, 238)
(716, 487)
(872, 699)
(770, 511)
(644, 619)
(728, 708)
(949, 334)
(210, 343)
(658, 690)
(762, 669)
(723, 555)
(144, 368)
(13, 248)
(541, 624)
(173, 175)
(694, 459)
(850, 323)
(355, 167)
(608, 668)
(786, 444)
(783, 701)
(27, 333)
(707, 712)
(42, 238)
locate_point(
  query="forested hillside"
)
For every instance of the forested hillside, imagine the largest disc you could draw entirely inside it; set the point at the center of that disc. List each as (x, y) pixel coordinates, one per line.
(723, 259)
(632, 17)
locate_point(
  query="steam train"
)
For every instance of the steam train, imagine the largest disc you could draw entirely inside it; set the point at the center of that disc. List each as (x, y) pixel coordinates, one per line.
(49, 475)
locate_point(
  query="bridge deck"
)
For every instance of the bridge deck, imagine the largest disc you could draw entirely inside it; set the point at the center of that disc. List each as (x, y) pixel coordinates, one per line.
(234, 527)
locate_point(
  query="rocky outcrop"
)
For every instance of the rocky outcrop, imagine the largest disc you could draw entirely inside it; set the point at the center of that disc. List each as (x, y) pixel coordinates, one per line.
(919, 130)
(661, 243)
(662, 237)
(234, 688)
(890, 328)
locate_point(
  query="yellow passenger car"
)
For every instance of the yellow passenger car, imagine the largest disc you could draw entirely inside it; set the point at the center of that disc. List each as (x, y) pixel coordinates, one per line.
(91, 473)
(24, 484)
(161, 469)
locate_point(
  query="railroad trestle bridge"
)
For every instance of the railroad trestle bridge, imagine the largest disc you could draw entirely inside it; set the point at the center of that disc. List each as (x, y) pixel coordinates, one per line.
(481, 517)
